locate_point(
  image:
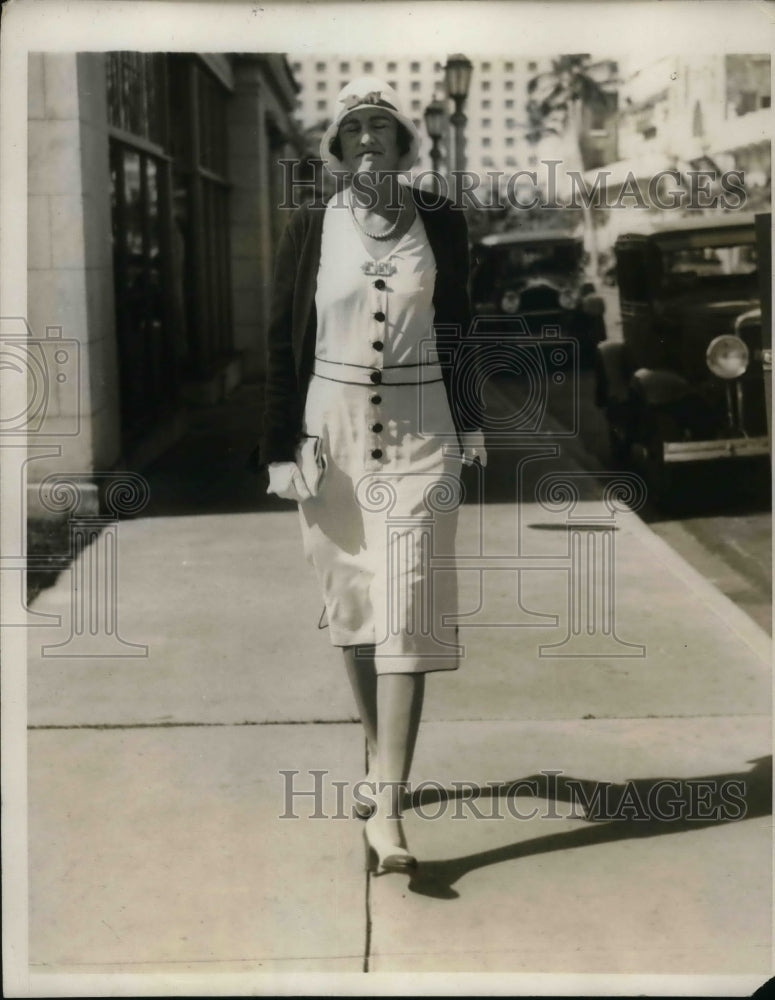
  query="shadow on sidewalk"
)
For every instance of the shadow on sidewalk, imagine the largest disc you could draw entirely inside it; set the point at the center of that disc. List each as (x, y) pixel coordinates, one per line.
(618, 812)
(206, 472)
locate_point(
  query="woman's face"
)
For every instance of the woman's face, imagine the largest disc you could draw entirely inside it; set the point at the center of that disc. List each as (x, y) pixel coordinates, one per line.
(369, 139)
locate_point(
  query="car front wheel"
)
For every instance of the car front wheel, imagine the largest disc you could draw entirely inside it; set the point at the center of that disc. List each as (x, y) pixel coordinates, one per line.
(660, 476)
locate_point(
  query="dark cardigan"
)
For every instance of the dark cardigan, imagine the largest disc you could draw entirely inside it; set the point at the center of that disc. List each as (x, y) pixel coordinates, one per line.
(293, 323)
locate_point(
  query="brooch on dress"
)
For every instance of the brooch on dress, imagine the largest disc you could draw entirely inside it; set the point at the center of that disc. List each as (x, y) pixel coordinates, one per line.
(384, 268)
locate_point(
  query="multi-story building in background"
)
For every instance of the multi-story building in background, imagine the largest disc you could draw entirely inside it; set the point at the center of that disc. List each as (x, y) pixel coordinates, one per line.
(688, 113)
(495, 108)
(686, 106)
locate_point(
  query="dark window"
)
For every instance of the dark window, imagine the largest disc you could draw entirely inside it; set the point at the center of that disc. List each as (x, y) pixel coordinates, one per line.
(698, 126)
(485, 84)
(509, 67)
(532, 66)
(136, 94)
(415, 85)
(368, 67)
(746, 102)
(344, 67)
(392, 67)
(170, 228)
(320, 67)
(415, 67)
(508, 85)
(485, 67)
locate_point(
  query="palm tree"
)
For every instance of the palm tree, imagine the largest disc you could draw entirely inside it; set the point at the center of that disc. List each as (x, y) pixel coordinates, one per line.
(556, 106)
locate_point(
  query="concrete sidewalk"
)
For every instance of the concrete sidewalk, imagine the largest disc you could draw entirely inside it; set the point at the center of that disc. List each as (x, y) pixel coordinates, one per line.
(155, 784)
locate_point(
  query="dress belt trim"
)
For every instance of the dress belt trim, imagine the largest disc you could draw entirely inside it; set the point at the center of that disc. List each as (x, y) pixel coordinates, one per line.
(340, 371)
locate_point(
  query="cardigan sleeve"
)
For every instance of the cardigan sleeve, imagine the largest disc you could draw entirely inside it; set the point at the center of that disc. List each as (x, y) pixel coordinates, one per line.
(281, 418)
(466, 381)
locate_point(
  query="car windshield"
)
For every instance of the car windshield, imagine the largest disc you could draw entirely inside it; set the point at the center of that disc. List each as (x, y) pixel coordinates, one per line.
(529, 258)
(709, 262)
(499, 266)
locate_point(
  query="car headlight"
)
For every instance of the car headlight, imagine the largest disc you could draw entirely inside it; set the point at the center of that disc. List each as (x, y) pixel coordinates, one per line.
(510, 302)
(727, 356)
(567, 298)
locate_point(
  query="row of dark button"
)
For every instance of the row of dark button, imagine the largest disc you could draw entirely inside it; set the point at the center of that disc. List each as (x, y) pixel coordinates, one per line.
(377, 452)
(376, 377)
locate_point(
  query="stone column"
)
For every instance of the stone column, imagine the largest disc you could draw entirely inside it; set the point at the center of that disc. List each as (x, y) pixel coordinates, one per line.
(70, 270)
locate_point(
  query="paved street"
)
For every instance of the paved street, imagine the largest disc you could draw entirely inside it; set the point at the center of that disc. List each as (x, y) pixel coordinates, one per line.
(156, 785)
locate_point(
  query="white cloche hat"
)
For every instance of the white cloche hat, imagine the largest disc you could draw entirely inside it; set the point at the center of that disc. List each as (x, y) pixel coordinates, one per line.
(368, 92)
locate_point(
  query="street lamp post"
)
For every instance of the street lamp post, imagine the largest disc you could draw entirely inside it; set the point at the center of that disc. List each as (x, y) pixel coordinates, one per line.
(434, 123)
(457, 76)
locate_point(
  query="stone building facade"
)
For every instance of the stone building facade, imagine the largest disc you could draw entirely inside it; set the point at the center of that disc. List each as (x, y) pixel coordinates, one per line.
(153, 219)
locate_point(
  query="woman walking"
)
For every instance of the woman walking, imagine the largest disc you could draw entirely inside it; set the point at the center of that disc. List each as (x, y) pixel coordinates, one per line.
(367, 357)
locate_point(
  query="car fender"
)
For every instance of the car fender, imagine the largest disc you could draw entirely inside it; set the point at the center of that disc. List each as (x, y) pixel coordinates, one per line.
(593, 305)
(658, 386)
(612, 373)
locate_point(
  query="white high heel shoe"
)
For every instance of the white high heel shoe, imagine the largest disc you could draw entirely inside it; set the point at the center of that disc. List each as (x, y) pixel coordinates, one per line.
(384, 856)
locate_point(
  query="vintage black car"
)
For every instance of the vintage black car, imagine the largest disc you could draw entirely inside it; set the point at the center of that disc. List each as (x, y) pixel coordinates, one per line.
(538, 276)
(686, 384)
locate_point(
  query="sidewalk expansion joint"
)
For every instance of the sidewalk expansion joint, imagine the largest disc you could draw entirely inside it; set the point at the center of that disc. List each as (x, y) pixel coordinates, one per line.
(367, 942)
(193, 725)
(352, 722)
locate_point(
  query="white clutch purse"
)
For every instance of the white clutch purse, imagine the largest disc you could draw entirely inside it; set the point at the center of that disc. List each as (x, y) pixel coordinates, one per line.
(311, 462)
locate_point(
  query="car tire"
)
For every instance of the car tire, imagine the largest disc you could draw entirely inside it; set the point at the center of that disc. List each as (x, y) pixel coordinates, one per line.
(619, 443)
(660, 482)
(663, 480)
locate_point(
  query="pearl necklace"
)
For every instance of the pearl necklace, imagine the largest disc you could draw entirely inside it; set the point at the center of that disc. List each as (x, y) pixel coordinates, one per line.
(375, 236)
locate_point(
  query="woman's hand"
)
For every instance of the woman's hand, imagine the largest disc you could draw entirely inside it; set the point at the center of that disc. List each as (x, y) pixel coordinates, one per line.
(287, 482)
(473, 448)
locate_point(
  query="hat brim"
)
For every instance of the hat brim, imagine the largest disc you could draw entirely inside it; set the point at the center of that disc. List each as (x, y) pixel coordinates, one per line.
(407, 160)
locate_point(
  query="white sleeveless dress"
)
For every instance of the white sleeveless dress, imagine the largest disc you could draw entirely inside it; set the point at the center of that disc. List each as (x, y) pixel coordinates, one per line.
(381, 531)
